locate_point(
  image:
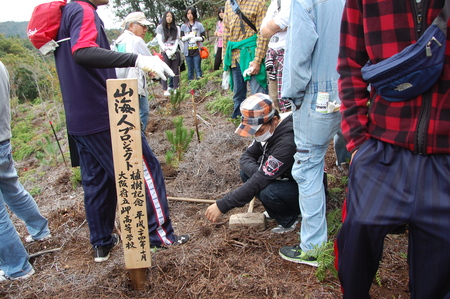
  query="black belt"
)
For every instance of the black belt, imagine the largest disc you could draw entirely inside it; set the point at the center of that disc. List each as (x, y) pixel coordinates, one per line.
(4, 142)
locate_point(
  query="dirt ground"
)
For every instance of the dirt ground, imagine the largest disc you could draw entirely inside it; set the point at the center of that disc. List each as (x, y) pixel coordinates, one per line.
(217, 262)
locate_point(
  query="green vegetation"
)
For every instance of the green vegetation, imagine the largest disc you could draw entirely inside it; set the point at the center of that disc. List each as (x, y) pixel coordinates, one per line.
(222, 104)
(180, 139)
(325, 259)
(75, 178)
(325, 253)
(176, 98)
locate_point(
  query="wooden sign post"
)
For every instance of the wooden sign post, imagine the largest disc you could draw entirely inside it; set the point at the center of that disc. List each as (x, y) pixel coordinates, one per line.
(123, 106)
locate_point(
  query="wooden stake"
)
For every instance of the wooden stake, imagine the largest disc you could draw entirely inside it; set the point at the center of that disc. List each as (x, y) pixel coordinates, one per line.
(211, 201)
(138, 278)
(123, 106)
(251, 205)
(195, 115)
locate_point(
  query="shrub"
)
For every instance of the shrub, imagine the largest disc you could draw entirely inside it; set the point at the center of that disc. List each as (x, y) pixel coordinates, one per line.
(179, 138)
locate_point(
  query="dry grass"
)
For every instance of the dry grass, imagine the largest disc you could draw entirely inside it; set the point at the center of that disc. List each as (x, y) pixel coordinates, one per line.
(216, 263)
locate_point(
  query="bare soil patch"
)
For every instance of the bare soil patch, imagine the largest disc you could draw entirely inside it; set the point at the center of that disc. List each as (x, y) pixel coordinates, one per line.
(216, 263)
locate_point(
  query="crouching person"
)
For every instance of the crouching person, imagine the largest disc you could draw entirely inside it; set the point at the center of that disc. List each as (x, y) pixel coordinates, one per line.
(265, 165)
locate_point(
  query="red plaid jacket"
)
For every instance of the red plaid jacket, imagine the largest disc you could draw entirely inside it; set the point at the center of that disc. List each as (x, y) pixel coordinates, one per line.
(375, 30)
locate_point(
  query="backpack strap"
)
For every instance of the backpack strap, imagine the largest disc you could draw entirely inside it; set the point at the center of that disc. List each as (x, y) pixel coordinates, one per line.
(242, 17)
(442, 19)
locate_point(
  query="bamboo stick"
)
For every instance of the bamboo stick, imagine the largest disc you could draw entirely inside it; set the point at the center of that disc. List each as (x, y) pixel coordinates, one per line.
(192, 199)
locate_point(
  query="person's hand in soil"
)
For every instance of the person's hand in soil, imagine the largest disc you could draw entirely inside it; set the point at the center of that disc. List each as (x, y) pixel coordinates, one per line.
(213, 213)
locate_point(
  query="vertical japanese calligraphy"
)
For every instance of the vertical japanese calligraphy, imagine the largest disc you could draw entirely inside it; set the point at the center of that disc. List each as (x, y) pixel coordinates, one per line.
(123, 106)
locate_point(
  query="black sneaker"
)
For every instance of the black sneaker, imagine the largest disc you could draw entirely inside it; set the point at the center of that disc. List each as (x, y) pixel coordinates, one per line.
(296, 255)
(101, 254)
(180, 239)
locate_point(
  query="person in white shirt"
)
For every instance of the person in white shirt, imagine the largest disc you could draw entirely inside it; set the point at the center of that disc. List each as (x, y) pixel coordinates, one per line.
(278, 16)
(168, 36)
(132, 41)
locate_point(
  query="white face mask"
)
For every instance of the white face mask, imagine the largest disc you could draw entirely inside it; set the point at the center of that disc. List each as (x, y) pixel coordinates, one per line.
(264, 137)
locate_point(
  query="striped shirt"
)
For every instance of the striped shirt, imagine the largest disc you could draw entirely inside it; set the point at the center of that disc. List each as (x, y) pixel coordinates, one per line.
(255, 11)
(375, 30)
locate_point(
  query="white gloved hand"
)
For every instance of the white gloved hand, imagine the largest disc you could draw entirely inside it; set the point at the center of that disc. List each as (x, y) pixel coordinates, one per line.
(198, 39)
(169, 53)
(248, 72)
(193, 40)
(154, 65)
(185, 38)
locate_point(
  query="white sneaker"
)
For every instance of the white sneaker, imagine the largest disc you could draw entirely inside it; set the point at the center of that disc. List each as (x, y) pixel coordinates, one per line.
(3, 277)
(30, 239)
(169, 89)
(167, 93)
(282, 230)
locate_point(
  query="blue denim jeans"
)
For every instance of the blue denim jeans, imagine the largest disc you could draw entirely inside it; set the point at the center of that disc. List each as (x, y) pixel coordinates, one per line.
(144, 110)
(280, 199)
(194, 63)
(13, 256)
(313, 132)
(240, 89)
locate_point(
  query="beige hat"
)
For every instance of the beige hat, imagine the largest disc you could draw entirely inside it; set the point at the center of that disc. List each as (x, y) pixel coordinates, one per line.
(137, 17)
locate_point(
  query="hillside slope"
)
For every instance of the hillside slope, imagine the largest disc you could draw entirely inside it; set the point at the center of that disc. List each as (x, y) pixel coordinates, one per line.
(217, 263)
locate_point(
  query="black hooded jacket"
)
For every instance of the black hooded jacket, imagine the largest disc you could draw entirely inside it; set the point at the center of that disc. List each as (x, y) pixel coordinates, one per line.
(263, 163)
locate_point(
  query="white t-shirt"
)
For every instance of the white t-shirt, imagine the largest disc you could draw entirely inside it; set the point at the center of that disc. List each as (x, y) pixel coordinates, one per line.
(280, 16)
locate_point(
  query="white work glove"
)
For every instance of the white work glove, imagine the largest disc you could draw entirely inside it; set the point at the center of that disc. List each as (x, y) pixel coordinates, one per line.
(193, 40)
(169, 53)
(188, 36)
(248, 72)
(154, 65)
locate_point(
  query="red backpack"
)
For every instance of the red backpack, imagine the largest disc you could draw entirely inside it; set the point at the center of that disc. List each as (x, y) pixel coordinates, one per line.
(44, 25)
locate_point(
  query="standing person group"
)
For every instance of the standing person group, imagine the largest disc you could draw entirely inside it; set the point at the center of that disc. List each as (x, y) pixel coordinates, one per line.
(84, 63)
(168, 36)
(192, 35)
(14, 262)
(132, 41)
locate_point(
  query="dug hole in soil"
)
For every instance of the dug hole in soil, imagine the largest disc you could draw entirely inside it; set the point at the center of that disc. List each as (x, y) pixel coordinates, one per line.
(218, 262)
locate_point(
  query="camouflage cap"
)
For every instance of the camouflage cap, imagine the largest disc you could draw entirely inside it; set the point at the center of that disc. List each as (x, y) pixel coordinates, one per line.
(256, 110)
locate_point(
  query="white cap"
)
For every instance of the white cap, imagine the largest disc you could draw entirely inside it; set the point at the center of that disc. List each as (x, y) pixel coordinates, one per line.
(137, 17)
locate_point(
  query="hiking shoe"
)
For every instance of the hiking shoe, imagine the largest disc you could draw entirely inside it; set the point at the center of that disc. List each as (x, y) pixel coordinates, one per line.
(282, 230)
(101, 253)
(180, 239)
(30, 239)
(3, 276)
(296, 255)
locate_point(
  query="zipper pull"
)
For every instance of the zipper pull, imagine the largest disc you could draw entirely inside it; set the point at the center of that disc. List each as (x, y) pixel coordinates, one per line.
(436, 41)
(428, 46)
(428, 49)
